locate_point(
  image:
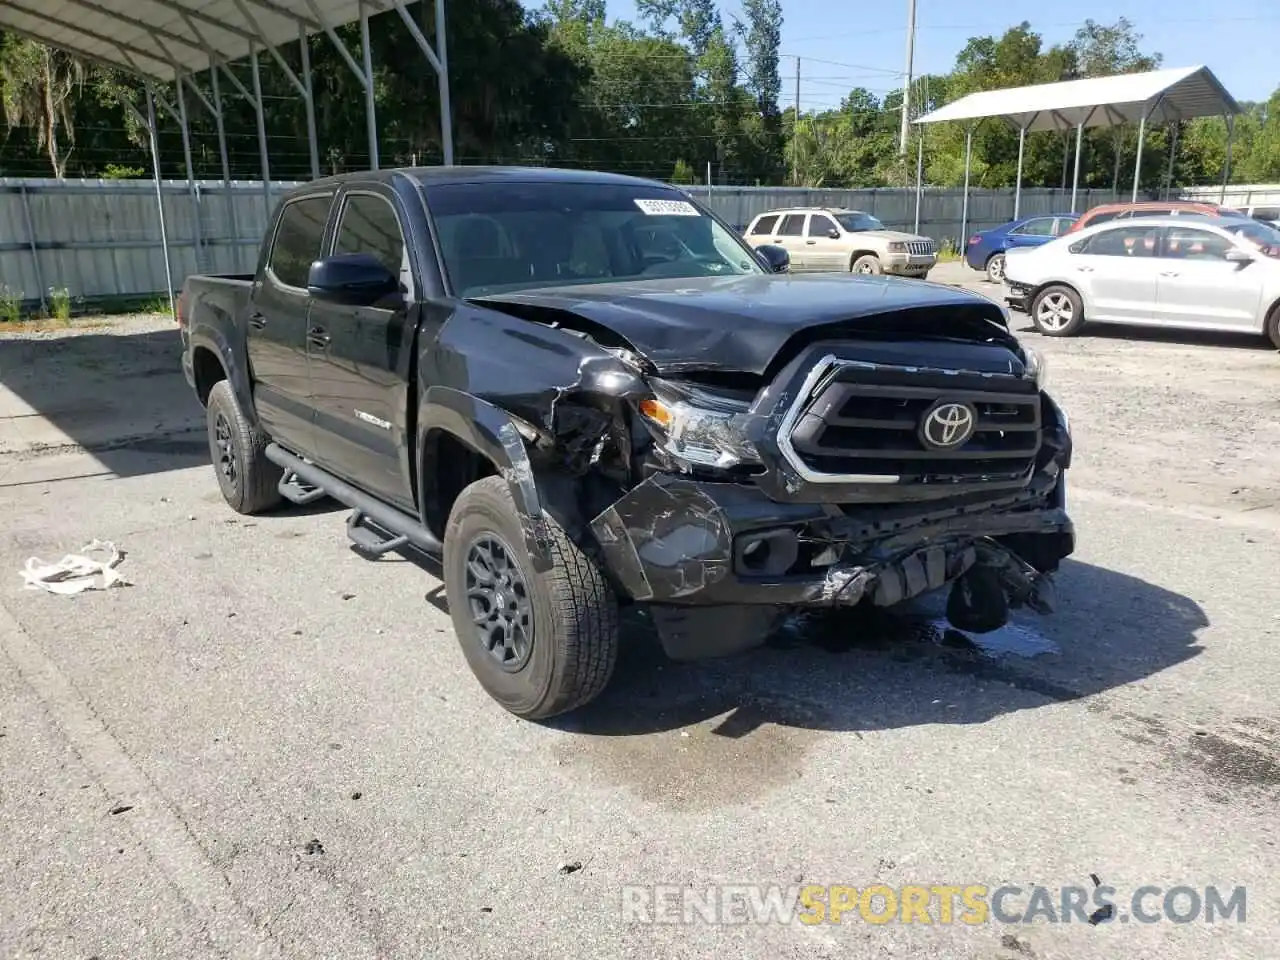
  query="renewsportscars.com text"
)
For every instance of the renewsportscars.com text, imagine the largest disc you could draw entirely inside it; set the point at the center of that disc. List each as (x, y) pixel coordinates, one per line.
(942, 904)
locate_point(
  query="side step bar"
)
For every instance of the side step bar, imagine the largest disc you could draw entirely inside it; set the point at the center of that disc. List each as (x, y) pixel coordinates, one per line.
(374, 527)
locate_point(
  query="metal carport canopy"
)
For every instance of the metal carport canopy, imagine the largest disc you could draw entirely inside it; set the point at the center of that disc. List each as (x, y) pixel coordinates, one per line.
(171, 40)
(1161, 96)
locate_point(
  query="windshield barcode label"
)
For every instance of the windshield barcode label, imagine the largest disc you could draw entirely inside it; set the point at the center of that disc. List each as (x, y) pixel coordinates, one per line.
(668, 208)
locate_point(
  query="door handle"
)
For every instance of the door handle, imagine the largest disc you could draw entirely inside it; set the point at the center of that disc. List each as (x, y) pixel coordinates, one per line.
(318, 336)
(811, 242)
(257, 320)
(1085, 269)
(1168, 273)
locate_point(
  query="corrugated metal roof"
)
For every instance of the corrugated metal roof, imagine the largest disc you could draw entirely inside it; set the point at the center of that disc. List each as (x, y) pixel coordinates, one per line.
(159, 38)
(1175, 94)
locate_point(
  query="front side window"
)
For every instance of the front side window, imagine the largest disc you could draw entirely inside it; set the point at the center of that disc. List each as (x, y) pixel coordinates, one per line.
(1103, 217)
(1187, 243)
(369, 225)
(1120, 241)
(1042, 227)
(504, 237)
(820, 226)
(297, 241)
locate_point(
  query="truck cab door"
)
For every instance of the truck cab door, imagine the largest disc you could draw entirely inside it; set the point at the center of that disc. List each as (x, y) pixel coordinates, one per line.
(360, 355)
(277, 325)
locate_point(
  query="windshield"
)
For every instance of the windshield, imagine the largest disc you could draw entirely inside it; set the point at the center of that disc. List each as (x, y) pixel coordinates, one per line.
(504, 237)
(857, 222)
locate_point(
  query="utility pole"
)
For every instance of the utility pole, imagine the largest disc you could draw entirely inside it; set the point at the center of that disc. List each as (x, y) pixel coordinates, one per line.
(795, 133)
(906, 86)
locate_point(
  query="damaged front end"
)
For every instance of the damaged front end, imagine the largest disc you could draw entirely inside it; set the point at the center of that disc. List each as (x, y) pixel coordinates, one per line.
(825, 487)
(862, 469)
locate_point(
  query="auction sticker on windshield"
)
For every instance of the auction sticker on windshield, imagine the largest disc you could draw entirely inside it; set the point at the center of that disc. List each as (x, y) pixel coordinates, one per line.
(668, 208)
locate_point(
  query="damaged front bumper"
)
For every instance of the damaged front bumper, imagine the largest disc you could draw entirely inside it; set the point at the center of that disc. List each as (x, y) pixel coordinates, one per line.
(676, 540)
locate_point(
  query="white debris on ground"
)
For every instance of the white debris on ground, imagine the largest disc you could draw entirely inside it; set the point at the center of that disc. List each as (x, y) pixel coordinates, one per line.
(77, 572)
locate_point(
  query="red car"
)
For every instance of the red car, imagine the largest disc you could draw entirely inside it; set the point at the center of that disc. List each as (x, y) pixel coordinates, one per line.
(1151, 208)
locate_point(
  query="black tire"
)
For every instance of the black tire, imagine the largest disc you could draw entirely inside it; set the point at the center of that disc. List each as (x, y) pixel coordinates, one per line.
(572, 646)
(995, 268)
(868, 263)
(1273, 326)
(248, 480)
(1065, 302)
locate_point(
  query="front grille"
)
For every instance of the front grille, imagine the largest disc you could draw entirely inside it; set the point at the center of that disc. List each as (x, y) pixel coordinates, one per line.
(864, 423)
(920, 248)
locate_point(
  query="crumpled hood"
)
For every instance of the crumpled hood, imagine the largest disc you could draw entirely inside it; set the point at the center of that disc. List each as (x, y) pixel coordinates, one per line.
(737, 323)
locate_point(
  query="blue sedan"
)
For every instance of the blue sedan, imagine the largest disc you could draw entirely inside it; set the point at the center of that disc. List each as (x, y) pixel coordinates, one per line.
(985, 250)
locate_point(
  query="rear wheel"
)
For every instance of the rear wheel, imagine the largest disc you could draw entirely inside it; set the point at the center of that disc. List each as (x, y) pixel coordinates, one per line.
(539, 644)
(868, 263)
(995, 268)
(1057, 311)
(248, 480)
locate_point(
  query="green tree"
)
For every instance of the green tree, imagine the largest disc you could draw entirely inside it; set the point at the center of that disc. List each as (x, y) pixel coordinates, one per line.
(38, 87)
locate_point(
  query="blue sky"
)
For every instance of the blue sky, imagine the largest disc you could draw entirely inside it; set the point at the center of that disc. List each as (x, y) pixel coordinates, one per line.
(864, 43)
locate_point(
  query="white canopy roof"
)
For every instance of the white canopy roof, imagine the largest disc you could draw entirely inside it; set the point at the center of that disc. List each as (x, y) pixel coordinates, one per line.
(159, 38)
(1161, 96)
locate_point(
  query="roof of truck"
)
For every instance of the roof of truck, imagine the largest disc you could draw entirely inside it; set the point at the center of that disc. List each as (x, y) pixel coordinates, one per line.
(481, 174)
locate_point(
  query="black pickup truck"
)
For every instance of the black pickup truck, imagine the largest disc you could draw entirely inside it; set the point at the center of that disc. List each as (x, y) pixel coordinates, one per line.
(578, 391)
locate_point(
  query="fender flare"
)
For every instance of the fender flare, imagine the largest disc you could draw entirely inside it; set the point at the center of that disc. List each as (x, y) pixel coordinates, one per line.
(211, 338)
(492, 433)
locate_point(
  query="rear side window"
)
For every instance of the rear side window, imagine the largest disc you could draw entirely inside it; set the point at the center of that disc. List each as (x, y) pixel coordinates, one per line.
(792, 225)
(764, 225)
(369, 225)
(297, 240)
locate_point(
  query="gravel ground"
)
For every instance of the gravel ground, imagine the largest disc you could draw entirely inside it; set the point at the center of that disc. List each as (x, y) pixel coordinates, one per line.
(267, 746)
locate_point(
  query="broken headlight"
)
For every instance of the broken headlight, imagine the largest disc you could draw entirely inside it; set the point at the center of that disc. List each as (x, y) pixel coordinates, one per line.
(699, 428)
(1035, 367)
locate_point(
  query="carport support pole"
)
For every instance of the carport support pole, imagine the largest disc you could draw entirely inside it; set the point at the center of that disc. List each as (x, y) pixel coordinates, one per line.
(919, 177)
(313, 142)
(155, 165)
(1017, 183)
(1226, 166)
(964, 209)
(184, 121)
(262, 131)
(1115, 181)
(442, 73)
(1173, 152)
(1137, 164)
(371, 119)
(1075, 179)
(228, 198)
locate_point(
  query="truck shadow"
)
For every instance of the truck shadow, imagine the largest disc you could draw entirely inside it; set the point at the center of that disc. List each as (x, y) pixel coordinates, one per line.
(873, 670)
(119, 396)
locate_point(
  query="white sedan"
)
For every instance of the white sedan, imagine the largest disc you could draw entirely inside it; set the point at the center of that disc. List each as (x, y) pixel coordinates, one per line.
(1201, 273)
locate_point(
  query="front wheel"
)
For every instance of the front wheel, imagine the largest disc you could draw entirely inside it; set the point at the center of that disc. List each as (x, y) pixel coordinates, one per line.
(1273, 326)
(995, 268)
(868, 264)
(248, 480)
(1057, 311)
(539, 644)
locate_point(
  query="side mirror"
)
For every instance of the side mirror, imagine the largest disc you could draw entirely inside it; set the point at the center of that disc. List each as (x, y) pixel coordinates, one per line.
(1236, 255)
(833, 233)
(775, 258)
(358, 279)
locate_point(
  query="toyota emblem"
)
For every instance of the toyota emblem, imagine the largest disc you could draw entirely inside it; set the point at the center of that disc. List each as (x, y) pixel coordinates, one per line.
(947, 425)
